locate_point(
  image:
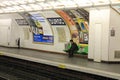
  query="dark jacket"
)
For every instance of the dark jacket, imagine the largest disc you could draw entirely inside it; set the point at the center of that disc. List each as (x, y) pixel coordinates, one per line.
(74, 47)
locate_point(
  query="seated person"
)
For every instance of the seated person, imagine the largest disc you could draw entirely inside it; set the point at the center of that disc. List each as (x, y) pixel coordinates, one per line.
(72, 49)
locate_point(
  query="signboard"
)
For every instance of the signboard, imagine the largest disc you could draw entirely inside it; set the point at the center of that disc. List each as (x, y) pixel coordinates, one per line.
(21, 22)
(43, 32)
(56, 21)
(42, 38)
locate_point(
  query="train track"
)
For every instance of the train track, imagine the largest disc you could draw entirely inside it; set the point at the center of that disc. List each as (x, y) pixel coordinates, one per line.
(17, 69)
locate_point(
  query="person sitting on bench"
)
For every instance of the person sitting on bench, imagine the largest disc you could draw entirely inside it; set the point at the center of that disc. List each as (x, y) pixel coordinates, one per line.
(73, 48)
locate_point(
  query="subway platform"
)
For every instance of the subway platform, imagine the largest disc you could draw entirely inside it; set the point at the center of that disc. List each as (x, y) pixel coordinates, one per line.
(63, 61)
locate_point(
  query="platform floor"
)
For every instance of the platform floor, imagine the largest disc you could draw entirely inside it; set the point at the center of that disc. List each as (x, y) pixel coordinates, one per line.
(63, 61)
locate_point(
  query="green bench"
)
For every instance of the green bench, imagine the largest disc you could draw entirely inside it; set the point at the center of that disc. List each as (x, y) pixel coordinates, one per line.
(82, 49)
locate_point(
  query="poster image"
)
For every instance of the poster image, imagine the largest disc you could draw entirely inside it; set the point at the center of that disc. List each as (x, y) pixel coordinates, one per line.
(71, 24)
(40, 29)
(77, 21)
(41, 35)
(43, 39)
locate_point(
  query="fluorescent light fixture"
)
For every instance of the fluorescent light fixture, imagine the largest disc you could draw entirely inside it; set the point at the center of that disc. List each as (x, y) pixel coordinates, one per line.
(10, 9)
(18, 8)
(2, 5)
(7, 10)
(7, 3)
(83, 3)
(39, 0)
(21, 1)
(101, 2)
(26, 7)
(4, 10)
(35, 7)
(69, 4)
(45, 5)
(113, 2)
(1, 11)
(13, 2)
(31, 1)
(57, 5)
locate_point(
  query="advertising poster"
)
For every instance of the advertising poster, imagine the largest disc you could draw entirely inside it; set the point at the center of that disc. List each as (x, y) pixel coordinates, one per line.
(41, 23)
(26, 33)
(58, 24)
(71, 24)
(61, 33)
(77, 21)
(42, 32)
(42, 38)
(80, 23)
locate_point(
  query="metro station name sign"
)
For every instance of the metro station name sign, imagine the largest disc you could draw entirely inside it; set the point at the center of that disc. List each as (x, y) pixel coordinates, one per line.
(56, 21)
(21, 22)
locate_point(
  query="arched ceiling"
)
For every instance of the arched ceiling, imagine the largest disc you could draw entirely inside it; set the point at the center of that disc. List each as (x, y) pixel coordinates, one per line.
(8, 6)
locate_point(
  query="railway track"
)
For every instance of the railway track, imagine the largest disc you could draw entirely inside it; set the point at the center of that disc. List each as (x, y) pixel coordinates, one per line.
(17, 69)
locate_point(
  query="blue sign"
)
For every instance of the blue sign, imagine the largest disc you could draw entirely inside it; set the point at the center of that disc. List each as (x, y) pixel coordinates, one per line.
(37, 17)
(43, 38)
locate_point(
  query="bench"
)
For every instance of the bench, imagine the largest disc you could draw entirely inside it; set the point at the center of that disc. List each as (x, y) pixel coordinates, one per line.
(83, 49)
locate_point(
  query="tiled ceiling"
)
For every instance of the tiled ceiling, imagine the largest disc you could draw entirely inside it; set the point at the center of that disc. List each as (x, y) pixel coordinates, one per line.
(7, 6)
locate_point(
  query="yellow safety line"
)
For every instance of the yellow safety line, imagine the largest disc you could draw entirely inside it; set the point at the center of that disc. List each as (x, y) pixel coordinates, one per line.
(62, 66)
(1, 53)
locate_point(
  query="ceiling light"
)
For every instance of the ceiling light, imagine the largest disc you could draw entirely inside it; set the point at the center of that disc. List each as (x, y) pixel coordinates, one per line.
(21, 1)
(30, 1)
(13, 2)
(1, 11)
(83, 3)
(57, 5)
(6, 3)
(69, 4)
(26, 7)
(2, 5)
(39, 0)
(45, 5)
(101, 2)
(18, 8)
(113, 2)
(35, 7)
(6, 10)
